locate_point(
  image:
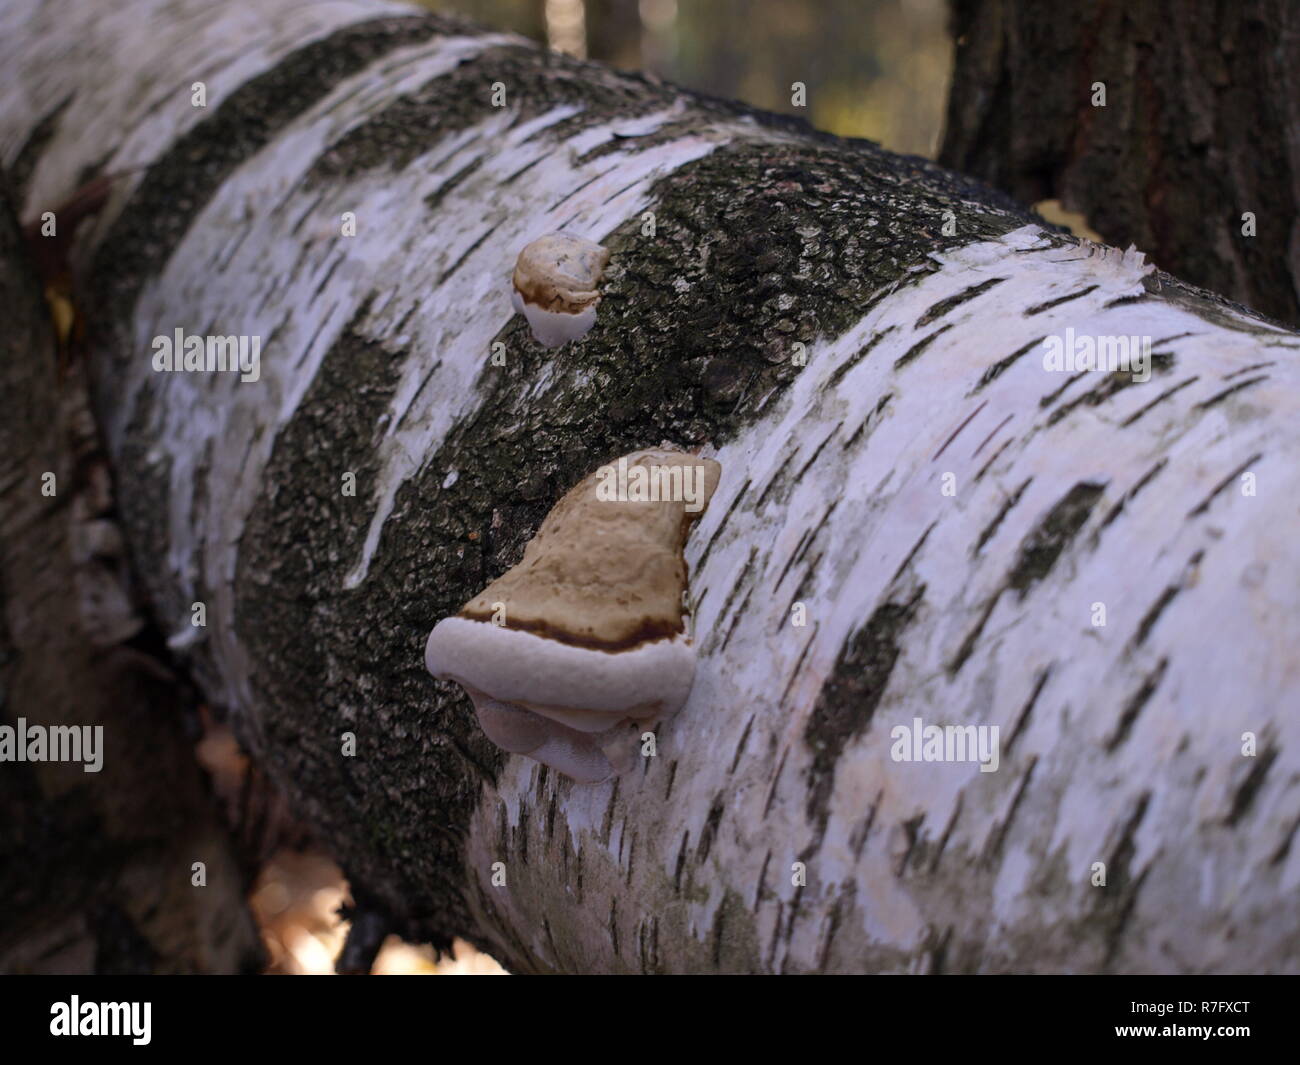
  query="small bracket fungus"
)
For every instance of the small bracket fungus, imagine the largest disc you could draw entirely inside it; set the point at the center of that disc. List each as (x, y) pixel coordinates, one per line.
(555, 283)
(593, 648)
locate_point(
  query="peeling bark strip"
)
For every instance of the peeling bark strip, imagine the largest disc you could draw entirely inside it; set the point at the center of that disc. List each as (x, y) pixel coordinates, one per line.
(902, 530)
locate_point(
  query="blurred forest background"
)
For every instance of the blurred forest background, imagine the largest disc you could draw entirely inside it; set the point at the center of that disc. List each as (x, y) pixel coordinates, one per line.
(872, 68)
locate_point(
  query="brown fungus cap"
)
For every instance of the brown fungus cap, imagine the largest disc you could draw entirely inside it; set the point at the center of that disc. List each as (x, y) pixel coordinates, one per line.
(606, 569)
(560, 272)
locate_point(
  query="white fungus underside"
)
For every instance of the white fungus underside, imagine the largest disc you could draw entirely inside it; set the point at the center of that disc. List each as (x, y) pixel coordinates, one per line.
(578, 686)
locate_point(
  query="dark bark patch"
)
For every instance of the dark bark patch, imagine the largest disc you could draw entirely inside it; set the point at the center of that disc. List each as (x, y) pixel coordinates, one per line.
(1115, 902)
(302, 537)
(1043, 546)
(417, 122)
(710, 830)
(849, 698)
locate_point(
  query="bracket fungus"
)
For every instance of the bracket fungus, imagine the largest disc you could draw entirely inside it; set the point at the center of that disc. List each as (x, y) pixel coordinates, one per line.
(583, 641)
(555, 287)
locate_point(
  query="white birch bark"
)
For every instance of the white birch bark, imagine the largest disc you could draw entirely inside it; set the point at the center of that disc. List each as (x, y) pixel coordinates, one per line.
(773, 830)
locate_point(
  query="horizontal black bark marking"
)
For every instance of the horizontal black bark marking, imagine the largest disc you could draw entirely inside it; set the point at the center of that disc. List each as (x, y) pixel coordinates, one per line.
(998, 518)
(1204, 504)
(1136, 702)
(979, 476)
(957, 432)
(460, 259)
(1174, 390)
(434, 200)
(777, 475)
(1248, 369)
(1039, 308)
(998, 368)
(1283, 850)
(1113, 383)
(993, 848)
(1053, 396)
(710, 830)
(1244, 797)
(918, 348)
(947, 833)
(857, 357)
(1022, 718)
(1124, 301)
(916, 547)
(868, 420)
(994, 432)
(1115, 905)
(952, 302)
(704, 555)
(967, 647)
(1219, 397)
(1152, 615)
(1128, 497)
(740, 746)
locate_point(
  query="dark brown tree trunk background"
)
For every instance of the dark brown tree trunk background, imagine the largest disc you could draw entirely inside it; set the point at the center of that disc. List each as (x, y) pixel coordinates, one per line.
(1202, 109)
(95, 868)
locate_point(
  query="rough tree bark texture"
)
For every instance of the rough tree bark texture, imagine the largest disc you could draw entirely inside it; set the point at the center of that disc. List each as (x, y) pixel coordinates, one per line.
(95, 868)
(1202, 109)
(918, 299)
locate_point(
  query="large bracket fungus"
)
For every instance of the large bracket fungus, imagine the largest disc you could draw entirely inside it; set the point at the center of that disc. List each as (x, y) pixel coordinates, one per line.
(569, 655)
(555, 283)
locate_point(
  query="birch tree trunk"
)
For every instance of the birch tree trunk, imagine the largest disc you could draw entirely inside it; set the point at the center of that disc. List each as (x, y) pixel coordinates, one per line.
(1105, 569)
